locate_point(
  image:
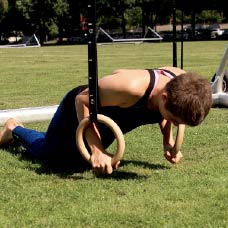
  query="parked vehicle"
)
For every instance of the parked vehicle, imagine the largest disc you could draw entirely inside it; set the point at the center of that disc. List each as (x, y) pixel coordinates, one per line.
(200, 32)
(216, 31)
(168, 35)
(224, 35)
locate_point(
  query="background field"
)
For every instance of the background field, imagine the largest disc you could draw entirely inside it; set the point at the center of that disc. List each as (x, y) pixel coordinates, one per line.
(146, 191)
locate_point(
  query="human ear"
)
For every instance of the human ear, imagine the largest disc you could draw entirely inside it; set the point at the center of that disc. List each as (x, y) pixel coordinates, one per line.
(164, 97)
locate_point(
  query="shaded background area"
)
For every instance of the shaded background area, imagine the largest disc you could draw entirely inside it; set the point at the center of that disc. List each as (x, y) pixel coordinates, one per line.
(65, 21)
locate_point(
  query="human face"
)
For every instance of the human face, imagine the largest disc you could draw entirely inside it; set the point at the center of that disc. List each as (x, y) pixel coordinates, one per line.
(167, 114)
(170, 117)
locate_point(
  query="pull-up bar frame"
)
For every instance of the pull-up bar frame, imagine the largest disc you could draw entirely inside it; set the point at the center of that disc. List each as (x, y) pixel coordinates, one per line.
(92, 61)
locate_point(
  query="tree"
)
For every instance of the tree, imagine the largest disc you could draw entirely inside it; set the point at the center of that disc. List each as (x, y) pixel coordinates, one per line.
(38, 16)
(61, 9)
(3, 8)
(62, 17)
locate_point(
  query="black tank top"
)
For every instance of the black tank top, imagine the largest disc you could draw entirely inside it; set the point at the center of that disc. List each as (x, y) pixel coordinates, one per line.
(143, 100)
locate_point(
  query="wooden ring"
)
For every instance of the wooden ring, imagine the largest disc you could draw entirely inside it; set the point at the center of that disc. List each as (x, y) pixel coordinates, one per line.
(115, 129)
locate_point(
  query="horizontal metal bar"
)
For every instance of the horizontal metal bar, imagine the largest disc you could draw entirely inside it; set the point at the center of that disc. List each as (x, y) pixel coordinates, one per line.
(28, 115)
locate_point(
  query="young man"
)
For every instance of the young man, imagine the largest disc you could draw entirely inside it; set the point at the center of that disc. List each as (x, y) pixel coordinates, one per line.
(131, 98)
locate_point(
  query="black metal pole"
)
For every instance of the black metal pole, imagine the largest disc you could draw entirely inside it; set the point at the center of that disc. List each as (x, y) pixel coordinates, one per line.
(92, 61)
(182, 37)
(174, 35)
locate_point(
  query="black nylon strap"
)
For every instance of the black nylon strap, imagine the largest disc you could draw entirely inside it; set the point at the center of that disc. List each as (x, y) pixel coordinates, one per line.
(92, 61)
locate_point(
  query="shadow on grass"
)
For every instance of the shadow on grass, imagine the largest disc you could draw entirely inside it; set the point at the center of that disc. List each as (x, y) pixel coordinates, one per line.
(38, 167)
(122, 175)
(145, 165)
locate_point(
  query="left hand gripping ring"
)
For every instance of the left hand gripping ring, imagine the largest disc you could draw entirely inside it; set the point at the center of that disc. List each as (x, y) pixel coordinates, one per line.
(115, 129)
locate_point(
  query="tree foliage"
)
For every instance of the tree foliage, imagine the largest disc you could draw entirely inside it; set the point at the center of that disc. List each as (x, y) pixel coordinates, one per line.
(3, 8)
(63, 18)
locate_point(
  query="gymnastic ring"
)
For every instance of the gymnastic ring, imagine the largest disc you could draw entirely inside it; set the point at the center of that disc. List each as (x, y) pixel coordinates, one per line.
(115, 129)
(179, 138)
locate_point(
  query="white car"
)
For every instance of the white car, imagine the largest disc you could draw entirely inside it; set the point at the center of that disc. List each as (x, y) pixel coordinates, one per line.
(216, 31)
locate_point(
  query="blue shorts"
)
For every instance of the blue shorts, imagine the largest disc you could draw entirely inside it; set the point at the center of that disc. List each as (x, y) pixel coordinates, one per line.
(57, 147)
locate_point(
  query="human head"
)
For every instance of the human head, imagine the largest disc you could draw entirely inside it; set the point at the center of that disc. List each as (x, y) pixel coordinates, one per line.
(189, 97)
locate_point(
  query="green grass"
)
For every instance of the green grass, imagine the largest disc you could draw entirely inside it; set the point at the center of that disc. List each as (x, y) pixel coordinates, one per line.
(146, 191)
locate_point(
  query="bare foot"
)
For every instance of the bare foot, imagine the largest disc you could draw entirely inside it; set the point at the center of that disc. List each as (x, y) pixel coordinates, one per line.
(6, 136)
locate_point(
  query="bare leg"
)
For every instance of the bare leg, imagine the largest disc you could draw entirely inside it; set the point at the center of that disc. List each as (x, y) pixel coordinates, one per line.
(6, 136)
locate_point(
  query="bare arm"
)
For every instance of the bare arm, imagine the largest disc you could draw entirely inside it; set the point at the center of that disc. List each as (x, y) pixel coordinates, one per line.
(100, 161)
(167, 132)
(168, 143)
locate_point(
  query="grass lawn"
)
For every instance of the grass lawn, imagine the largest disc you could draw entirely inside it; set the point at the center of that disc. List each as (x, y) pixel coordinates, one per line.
(146, 191)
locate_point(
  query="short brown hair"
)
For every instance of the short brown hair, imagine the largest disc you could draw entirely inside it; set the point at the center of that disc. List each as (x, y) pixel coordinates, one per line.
(189, 97)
